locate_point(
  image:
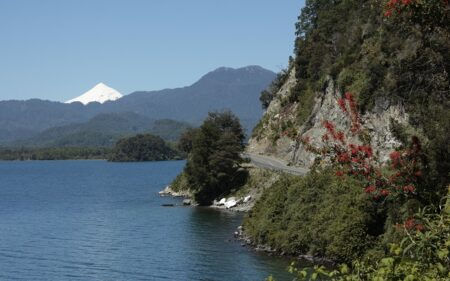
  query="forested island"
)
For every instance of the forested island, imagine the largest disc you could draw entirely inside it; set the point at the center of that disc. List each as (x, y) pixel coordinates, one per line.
(144, 147)
(55, 153)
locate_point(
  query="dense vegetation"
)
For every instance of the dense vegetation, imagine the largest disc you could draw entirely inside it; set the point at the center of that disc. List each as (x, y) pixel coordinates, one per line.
(315, 215)
(143, 147)
(402, 59)
(268, 94)
(214, 163)
(55, 153)
(397, 59)
(358, 210)
(421, 255)
(104, 130)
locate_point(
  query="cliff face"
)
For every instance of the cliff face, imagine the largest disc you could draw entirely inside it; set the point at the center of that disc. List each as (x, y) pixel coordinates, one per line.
(269, 139)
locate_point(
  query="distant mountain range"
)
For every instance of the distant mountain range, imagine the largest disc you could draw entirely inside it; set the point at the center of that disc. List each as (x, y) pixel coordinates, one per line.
(40, 122)
(104, 130)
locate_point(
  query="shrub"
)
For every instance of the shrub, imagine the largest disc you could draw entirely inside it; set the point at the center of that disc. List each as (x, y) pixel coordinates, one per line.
(317, 215)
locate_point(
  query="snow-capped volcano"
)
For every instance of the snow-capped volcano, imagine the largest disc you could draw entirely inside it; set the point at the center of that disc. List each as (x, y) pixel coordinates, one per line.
(100, 93)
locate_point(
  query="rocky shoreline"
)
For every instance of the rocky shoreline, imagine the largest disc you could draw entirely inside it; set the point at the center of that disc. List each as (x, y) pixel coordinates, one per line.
(243, 204)
(245, 240)
(168, 191)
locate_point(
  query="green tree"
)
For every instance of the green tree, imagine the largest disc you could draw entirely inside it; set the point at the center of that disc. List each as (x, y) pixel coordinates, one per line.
(214, 162)
(185, 141)
(143, 148)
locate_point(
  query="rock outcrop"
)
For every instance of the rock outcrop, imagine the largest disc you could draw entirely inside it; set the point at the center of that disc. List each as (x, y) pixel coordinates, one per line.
(377, 123)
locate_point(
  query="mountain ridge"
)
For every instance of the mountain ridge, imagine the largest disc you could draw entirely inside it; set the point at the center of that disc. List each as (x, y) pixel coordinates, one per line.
(237, 90)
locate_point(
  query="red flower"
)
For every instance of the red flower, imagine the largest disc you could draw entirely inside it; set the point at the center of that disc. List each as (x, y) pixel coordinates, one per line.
(409, 188)
(329, 126)
(339, 173)
(367, 150)
(370, 189)
(385, 192)
(420, 227)
(395, 155)
(392, 3)
(341, 103)
(343, 157)
(340, 136)
(348, 96)
(409, 224)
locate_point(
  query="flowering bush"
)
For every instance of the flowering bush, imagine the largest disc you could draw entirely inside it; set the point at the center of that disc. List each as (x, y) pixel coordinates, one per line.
(400, 178)
(424, 254)
(428, 13)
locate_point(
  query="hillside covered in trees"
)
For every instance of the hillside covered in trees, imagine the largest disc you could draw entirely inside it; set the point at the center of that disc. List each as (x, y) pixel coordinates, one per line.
(143, 147)
(364, 103)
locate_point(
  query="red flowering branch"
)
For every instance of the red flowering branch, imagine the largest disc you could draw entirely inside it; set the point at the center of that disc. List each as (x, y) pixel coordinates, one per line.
(356, 160)
(411, 224)
(427, 13)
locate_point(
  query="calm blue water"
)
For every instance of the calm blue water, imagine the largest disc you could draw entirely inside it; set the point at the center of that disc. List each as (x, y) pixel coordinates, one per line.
(94, 220)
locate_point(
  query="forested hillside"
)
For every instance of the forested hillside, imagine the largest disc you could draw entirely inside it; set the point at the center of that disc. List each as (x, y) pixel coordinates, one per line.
(143, 147)
(365, 103)
(104, 130)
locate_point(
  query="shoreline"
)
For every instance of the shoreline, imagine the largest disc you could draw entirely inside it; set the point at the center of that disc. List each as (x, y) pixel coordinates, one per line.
(247, 242)
(239, 234)
(232, 204)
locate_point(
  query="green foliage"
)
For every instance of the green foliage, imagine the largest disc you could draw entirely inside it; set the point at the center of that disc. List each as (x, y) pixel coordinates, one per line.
(428, 14)
(185, 141)
(269, 94)
(257, 181)
(213, 166)
(421, 255)
(306, 100)
(180, 183)
(143, 148)
(258, 131)
(168, 130)
(318, 215)
(400, 60)
(104, 130)
(55, 153)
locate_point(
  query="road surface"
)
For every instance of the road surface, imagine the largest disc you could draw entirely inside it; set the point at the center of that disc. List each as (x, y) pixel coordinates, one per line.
(272, 163)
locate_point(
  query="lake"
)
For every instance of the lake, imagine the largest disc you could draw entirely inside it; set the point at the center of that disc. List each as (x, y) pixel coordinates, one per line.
(94, 220)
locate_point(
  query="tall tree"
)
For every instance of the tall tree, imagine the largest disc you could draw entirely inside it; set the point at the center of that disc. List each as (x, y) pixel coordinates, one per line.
(214, 162)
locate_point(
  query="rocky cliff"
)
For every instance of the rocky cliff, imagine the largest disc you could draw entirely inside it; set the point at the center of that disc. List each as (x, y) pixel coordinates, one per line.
(281, 116)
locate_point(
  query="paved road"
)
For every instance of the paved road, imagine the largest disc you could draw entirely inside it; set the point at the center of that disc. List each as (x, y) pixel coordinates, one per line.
(274, 164)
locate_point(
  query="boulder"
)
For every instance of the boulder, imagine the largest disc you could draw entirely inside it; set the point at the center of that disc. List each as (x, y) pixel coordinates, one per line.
(222, 201)
(187, 202)
(231, 202)
(247, 198)
(166, 191)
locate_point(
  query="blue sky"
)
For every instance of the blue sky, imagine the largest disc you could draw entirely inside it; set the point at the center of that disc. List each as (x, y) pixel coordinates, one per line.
(58, 49)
